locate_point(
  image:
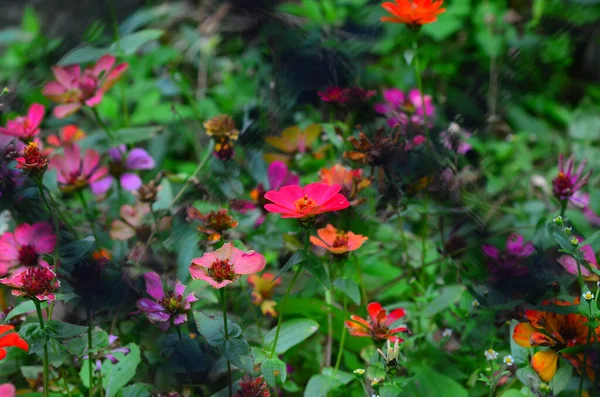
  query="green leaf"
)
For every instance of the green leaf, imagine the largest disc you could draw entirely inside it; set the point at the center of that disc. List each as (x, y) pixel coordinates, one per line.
(24, 307)
(563, 241)
(115, 376)
(448, 296)
(211, 328)
(292, 333)
(561, 379)
(57, 353)
(62, 330)
(85, 54)
(435, 384)
(131, 43)
(590, 239)
(297, 258)
(519, 353)
(164, 196)
(136, 390)
(129, 136)
(31, 22)
(79, 345)
(237, 352)
(320, 385)
(314, 266)
(76, 250)
(35, 337)
(274, 371)
(390, 391)
(348, 287)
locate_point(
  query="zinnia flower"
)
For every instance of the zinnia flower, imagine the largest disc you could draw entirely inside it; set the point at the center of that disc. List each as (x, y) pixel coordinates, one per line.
(413, 13)
(120, 166)
(214, 223)
(379, 325)
(34, 283)
(166, 308)
(131, 223)
(25, 127)
(556, 331)
(351, 181)
(253, 387)
(262, 293)
(570, 264)
(11, 339)
(26, 246)
(405, 109)
(567, 183)
(226, 265)
(76, 172)
(306, 202)
(32, 161)
(221, 125)
(8, 390)
(68, 135)
(337, 241)
(292, 141)
(74, 89)
(509, 263)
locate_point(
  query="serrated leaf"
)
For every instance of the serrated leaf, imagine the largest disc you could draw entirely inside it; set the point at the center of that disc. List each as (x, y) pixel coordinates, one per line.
(274, 371)
(292, 333)
(35, 337)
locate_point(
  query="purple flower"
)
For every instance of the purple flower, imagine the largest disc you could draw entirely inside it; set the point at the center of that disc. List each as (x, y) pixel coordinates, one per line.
(454, 139)
(567, 183)
(582, 201)
(120, 166)
(166, 308)
(509, 263)
(109, 353)
(404, 109)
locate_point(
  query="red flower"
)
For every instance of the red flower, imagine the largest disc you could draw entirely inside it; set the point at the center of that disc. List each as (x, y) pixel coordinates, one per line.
(567, 183)
(250, 387)
(378, 325)
(32, 161)
(337, 241)
(333, 95)
(309, 201)
(413, 12)
(34, 283)
(10, 340)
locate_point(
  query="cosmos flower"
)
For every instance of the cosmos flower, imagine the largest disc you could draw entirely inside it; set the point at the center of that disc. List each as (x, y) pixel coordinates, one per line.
(262, 292)
(10, 339)
(73, 89)
(26, 245)
(567, 182)
(403, 109)
(213, 224)
(351, 181)
(25, 127)
(32, 161)
(305, 202)
(379, 325)
(570, 264)
(35, 283)
(166, 308)
(226, 265)
(337, 241)
(121, 165)
(509, 263)
(413, 13)
(293, 141)
(75, 172)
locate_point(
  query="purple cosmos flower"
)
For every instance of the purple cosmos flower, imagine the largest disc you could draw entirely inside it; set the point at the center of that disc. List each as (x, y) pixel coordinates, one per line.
(120, 166)
(167, 308)
(109, 353)
(404, 109)
(454, 139)
(567, 183)
(509, 263)
(582, 201)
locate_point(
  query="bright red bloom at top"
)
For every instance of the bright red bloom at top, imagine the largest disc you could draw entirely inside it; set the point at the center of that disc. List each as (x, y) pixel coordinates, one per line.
(73, 89)
(309, 201)
(378, 325)
(413, 12)
(567, 183)
(25, 127)
(10, 340)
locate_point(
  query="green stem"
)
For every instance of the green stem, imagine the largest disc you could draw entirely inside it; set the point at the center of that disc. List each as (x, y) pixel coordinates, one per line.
(38, 308)
(90, 216)
(329, 346)
(585, 354)
(563, 207)
(342, 340)
(54, 220)
(102, 125)
(420, 87)
(224, 304)
(207, 155)
(90, 346)
(252, 309)
(424, 234)
(363, 290)
(64, 378)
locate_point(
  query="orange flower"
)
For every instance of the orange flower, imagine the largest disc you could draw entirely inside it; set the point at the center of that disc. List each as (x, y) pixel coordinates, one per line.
(10, 340)
(262, 293)
(556, 331)
(351, 181)
(337, 241)
(413, 12)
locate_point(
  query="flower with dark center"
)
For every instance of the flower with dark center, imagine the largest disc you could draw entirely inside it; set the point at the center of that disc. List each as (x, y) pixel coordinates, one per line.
(25, 246)
(223, 148)
(379, 326)
(35, 283)
(213, 224)
(337, 241)
(77, 171)
(32, 162)
(567, 182)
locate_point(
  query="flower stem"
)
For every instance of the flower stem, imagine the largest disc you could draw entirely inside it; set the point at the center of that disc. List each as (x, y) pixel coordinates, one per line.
(363, 290)
(420, 87)
(90, 216)
(38, 308)
(207, 155)
(585, 355)
(224, 304)
(342, 340)
(54, 221)
(102, 125)
(90, 346)
(563, 207)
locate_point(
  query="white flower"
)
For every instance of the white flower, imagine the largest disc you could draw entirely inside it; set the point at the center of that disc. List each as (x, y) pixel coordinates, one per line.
(588, 296)
(508, 360)
(374, 395)
(359, 371)
(447, 333)
(491, 354)
(375, 381)
(475, 304)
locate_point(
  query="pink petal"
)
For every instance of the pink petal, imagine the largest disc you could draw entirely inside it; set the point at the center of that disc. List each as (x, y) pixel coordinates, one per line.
(116, 153)
(90, 162)
(104, 64)
(228, 251)
(180, 319)
(98, 174)
(277, 174)
(570, 265)
(206, 261)
(67, 76)
(9, 248)
(62, 111)
(113, 76)
(382, 108)
(249, 263)
(53, 89)
(100, 187)
(321, 192)
(95, 100)
(24, 234)
(8, 390)
(130, 181)
(44, 239)
(146, 305)
(139, 159)
(154, 286)
(120, 230)
(179, 288)
(158, 317)
(393, 96)
(35, 115)
(490, 251)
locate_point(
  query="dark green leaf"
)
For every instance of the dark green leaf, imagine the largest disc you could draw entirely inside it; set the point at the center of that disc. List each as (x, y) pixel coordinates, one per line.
(590, 239)
(448, 296)
(563, 241)
(62, 330)
(211, 328)
(314, 266)
(130, 43)
(237, 352)
(274, 371)
(73, 252)
(320, 385)
(22, 308)
(348, 287)
(36, 338)
(136, 390)
(297, 258)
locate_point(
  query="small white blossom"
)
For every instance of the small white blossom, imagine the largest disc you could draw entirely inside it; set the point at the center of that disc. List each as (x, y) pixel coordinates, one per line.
(359, 371)
(508, 360)
(558, 220)
(588, 296)
(491, 354)
(475, 304)
(447, 333)
(375, 382)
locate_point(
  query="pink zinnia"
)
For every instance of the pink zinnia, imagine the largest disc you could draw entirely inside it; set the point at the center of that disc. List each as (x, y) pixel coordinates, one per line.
(26, 245)
(74, 89)
(122, 163)
(25, 127)
(35, 282)
(404, 109)
(76, 172)
(226, 265)
(8, 390)
(309, 201)
(568, 181)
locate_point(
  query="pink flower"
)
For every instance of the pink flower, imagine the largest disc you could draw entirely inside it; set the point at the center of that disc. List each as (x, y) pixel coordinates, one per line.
(25, 127)
(165, 308)
(305, 202)
(26, 245)
(8, 390)
(346, 96)
(121, 163)
(333, 95)
(131, 222)
(74, 89)
(402, 109)
(35, 282)
(570, 264)
(582, 201)
(76, 172)
(509, 264)
(567, 183)
(226, 265)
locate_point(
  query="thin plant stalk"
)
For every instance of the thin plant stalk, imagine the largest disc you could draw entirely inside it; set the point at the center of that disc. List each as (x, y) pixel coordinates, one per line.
(90, 347)
(342, 339)
(224, 304)
(38, 308)
(54, 221)
(420, 87)
(90, 216)
(102, 125)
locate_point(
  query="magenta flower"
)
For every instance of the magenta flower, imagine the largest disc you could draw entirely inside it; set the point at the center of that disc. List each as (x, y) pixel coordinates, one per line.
(165, 309)
(582, 201)
(8, 390)
(35, 283)
(226, 265)
(76, 172)
(455, 139)
(570, 264)
(120, 167)
(73, 89)
(567, 183)
(25, 246)
(25, 127)
(509, 263)
(333, 95)
(405, 109)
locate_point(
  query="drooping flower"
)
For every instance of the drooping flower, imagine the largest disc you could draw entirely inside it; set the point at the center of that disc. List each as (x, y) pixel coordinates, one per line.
(120, 167)
(413, 13)
(306, 202)
(262, 293)
(226, 265)
(557, 332)
(509, 263)
(253, 387)
(32, 161)
(351, 181)
(10, 339)
(26, 245)
(68, 135)
(35, 283)
(379, 325)
(405, 110)
(25, 127)
(337, 241)
(213, 224)
(148, 193)
(454, 138)
(293, 141)
(75, 172)
(166, 308)
(570, 264)
(131, 223)
(567, 183)
(73, 89)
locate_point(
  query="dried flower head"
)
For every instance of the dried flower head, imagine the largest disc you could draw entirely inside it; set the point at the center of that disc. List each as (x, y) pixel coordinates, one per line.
(221, 126)
(253, 387)
(32, 161)
(214, 223)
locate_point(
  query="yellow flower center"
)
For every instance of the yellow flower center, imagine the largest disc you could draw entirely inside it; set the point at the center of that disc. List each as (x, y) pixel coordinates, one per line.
(305, 203)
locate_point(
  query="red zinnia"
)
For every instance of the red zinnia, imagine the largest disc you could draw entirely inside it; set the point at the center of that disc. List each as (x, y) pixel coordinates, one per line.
(378, 325)
(309, 201)
(10, 340)
(413, 12)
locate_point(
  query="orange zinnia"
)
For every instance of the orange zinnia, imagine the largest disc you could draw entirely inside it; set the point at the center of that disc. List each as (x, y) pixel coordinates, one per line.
(413, 12)
(337, 241)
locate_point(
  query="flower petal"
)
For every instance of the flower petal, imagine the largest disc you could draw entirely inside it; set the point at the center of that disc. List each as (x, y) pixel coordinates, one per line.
(154, 286)
(545, 363)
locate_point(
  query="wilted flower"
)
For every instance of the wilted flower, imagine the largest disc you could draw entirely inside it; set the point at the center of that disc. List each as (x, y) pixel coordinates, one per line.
(167, 308)
(378, 326)
(351, 181)
(390, 357)
(262, 293)
(413, 13)
(213, 224)
(455, 139)
(382, 149)
(148, 193)
(337, 241)
(567, 183)
(34, 283)
(68, 135)
(75, 172)
(253, 387)
(26, 245)
(405, 109)
(292, 141)
(509, 263)
(10, 339)
(490, 354)
(73, 89)
(32, 162)
(25, 127)
(570, 264)
(131, 223)
(221, 125)
(226, 265)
